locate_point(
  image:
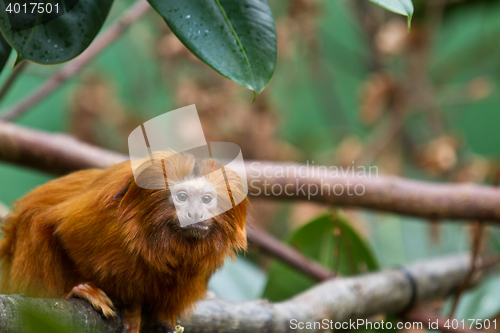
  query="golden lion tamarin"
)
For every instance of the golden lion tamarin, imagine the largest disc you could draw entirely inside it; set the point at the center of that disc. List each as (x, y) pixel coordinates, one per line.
(95, 234)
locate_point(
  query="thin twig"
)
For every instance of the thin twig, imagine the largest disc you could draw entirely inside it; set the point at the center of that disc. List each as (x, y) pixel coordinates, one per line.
(12, 78)
(489, 262)
(370, 26)
(477, 246)
(287, 254)
(389, 130)
(137, 10)
(381, 137)
(479, 226)
(434, 12)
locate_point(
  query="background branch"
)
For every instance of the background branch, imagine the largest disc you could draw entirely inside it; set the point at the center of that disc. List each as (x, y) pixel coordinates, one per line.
(12, 78)
(61, 154)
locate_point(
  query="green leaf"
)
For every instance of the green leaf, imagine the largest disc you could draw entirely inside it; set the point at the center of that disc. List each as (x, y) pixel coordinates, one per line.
(318, 240)
(236, 38)
(403, 7)
(481, 302)
(60, 39)
(4, 52)
(238, 281)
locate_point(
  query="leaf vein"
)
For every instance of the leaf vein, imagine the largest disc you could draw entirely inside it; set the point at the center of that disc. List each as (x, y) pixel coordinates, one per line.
(237, 39)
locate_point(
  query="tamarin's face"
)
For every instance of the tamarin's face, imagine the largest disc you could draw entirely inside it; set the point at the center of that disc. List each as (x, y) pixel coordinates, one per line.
(195, 201)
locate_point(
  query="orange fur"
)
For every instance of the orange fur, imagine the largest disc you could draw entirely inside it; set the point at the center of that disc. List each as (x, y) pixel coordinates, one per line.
(95, 234)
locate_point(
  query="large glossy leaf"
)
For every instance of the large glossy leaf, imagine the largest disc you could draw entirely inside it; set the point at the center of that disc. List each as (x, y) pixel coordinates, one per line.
(236, 38)
(403, 7)
(60, 39)
(346, 252)
(4, 52)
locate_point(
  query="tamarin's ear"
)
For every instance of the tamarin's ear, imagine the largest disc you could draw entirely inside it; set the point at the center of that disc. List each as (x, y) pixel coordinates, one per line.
(120, 187)
(123, 190)
(129, 197)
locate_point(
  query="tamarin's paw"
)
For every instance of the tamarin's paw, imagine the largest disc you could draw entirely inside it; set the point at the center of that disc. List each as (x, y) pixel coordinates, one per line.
(95, 296)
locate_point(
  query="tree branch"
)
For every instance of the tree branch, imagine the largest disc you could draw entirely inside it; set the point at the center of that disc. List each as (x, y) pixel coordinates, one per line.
(53, 153)
(287, 254)
(12, 79)
(68, 313)
(338, 300)
(61, 154)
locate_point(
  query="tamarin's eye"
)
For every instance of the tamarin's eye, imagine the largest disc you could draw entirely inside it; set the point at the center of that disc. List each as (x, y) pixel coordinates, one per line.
(206, 199)
(182, 196)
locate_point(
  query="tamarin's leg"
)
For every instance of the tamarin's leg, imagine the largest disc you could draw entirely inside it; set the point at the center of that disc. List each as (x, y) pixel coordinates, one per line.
(166, 323)
(151, 324)
(132, 320)
(95, 296)
(156, 327)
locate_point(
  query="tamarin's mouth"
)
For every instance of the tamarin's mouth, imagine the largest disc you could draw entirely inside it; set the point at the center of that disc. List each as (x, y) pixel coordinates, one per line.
(202, 225)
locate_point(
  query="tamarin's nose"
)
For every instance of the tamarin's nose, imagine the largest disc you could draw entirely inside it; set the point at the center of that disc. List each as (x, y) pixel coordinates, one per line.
(195, 216)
